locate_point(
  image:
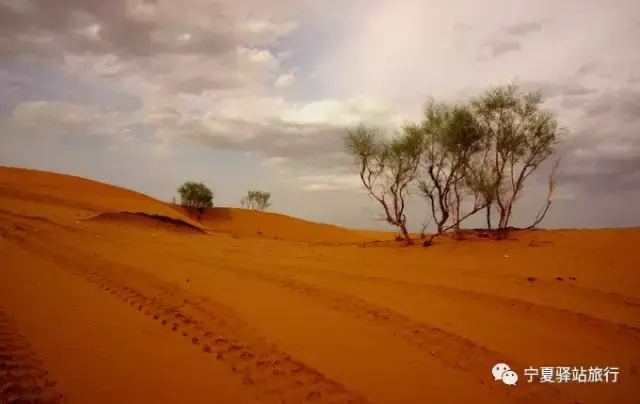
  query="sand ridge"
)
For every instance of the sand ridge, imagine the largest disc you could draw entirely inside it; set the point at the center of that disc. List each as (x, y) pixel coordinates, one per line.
(244, 222)
(146, 220)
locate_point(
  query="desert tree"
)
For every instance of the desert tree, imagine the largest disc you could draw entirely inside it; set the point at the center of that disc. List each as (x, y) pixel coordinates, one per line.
(387, 169)
(195, 197)
(256, 200)
(481, 181)
(520, 135)
(452, 143)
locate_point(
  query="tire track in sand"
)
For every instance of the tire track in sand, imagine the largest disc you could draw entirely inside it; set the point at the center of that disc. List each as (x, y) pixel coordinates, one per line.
(452, 349)
(502, 302)
(516, 305)
(273, 375)
(22, 379)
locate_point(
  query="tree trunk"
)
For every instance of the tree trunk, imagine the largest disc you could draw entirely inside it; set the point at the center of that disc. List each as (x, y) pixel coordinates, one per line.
(443, 220)
(503, 216)
(457, 203)
(502, 223)
(405, 233)
(489, 216)
(508, 216)
(427, 243)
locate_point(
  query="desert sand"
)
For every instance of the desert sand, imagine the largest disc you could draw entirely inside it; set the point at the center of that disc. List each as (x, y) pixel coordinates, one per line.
(98, 305)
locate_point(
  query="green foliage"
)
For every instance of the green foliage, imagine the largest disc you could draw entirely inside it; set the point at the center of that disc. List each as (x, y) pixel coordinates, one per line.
(195, 196)
(452, 133)
(387, 168)
(452, 142)
(363, 142)
(519, 136)
(484, 149)
(256, 200)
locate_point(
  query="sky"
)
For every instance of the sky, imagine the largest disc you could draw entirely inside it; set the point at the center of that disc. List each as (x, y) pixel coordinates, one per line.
(255, 94)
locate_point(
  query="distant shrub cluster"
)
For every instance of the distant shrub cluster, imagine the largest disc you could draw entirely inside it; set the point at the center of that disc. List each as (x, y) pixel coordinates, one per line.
(256, 200)
(195, 197)
(480, 152)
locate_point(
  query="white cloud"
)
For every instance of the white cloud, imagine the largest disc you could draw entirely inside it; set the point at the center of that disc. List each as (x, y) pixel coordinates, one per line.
(330, 183)
(20, 6)
(612, 149)
(275, 161)
(141, 10)
(344, 113)
(260, 123)
(256, 55)
(285, 80)
(93, 65)
(257, 32)
(92, 32)
(61, 118)
(184, 37)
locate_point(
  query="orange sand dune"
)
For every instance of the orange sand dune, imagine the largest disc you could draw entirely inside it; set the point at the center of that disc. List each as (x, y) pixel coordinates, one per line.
(273, 225)
(68, 198)
(128, 308)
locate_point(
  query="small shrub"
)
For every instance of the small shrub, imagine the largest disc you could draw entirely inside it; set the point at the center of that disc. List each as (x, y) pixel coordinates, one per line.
(195, 197)
(256, 200)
